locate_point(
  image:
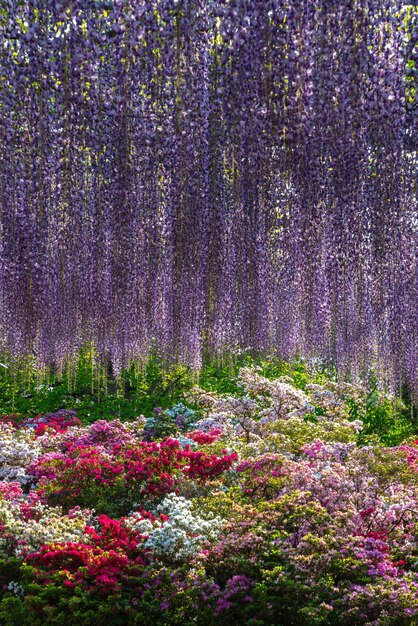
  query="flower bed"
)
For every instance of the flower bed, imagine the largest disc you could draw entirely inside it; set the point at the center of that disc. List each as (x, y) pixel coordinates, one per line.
(254, 509)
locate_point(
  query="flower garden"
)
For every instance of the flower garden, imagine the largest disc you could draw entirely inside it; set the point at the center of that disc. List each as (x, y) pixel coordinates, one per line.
(209, 312)
(263, 507)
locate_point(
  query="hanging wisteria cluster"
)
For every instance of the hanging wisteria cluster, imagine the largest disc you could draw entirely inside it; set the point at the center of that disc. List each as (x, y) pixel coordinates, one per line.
(210, 175)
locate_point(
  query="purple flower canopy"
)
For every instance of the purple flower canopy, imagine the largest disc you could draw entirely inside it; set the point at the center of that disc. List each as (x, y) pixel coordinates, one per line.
(210, 176)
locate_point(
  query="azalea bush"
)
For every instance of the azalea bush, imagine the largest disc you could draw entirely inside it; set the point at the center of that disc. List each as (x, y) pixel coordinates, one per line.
(266, 504)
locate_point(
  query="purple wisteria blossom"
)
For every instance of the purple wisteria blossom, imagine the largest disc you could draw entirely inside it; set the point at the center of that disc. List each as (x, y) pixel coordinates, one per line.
(210, 176)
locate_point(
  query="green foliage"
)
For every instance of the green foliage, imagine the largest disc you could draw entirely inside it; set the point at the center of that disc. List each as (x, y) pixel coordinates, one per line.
(385, 420)
(93, 392)
(58, 605)
(90, 387)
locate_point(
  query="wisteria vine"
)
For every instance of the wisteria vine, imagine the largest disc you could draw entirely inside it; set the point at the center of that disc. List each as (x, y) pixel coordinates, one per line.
(210, 175)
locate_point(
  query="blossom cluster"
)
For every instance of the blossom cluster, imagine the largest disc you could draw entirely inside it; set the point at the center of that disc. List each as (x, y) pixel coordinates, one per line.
(276, 410)
(183, 534)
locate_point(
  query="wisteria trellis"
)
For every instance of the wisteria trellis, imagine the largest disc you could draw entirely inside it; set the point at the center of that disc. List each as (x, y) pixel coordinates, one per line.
(210, 175)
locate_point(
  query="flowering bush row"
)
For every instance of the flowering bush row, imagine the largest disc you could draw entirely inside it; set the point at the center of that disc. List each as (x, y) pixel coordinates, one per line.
(259, 508)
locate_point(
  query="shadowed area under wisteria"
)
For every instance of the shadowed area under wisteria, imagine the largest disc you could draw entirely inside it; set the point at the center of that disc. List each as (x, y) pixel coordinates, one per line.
(208, 312)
